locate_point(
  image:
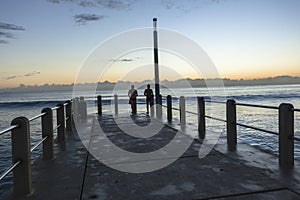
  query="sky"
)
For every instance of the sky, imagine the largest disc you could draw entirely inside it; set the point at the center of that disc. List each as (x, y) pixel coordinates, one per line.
(47, 41)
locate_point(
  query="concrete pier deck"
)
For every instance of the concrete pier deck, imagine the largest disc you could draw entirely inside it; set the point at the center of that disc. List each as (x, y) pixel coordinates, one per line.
(247, 173)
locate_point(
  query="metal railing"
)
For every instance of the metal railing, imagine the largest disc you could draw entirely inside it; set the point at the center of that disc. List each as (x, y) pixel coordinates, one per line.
(286, 122)
(285, 133)
(20, 136)
(115, 101)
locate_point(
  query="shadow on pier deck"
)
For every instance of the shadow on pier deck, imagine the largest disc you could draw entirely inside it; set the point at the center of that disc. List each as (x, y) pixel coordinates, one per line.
(75, 174)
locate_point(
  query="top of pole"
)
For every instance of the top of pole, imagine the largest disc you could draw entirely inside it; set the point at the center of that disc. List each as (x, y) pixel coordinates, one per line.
(154, 23)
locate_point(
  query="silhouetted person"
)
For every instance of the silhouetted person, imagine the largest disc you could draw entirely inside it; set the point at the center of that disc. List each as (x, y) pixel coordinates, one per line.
(149, 97)
(132, 94)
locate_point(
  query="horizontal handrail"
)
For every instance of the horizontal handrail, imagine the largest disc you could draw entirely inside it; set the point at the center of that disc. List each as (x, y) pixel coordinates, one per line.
(212, 101)
(56, 127)
(190, 112)
(172, 107)
(8, 129)
(122, 95)
(9, 169)
(111, 96)
(36, 117)
(257, 106)
(215, 118)
(258, 129)
(296, 109)
(38, 144)
(139, 96)
(55, 108)
(175, 108)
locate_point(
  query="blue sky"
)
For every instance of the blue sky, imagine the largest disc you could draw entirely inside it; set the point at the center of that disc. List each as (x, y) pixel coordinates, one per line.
(45, 41)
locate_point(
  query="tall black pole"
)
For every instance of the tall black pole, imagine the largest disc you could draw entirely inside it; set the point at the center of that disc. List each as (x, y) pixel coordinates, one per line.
(156, 73)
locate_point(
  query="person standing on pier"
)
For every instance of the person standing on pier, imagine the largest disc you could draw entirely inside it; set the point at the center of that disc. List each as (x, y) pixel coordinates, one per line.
(149, 97)
(132, 94)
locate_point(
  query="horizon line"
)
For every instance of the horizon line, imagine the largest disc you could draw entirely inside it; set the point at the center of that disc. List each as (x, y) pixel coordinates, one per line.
(147, 80)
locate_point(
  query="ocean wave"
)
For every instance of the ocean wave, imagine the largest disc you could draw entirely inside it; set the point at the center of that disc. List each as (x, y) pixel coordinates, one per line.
(19, 104)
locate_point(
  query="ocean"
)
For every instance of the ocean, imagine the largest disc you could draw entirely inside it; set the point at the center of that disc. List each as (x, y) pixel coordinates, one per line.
(30, 104)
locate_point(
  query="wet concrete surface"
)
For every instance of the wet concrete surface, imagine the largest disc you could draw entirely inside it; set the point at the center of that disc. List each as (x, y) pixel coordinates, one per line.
(75, 173)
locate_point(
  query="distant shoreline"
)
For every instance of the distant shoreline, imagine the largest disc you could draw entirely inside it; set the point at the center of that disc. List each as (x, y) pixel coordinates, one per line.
(106, 85)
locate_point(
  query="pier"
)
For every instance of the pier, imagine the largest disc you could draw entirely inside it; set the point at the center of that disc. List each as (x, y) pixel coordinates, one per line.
(231, 170)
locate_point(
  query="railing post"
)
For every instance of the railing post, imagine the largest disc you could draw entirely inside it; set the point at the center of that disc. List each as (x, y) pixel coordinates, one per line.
(82, 108)
(75, 109)
(20, 138)
(61, 123)
(201, 117)
(169, 108)
(69, 116)
(47, 131)
(99, 102)
(182, 111)
(116, 103)
(159, 107)
(286, 135)
(231, 124)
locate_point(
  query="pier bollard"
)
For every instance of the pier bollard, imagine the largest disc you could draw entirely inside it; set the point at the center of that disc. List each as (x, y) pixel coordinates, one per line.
(73, 110)
(169, 108)
(82, 108)
(20, 138)
(201, 117)
(47, 131)
(76, 109)
(116, 104)
(182, 111)
(286, 135)
(69, 116)
(231, 124)
(159, 107)
(60, 115)
(99, 103)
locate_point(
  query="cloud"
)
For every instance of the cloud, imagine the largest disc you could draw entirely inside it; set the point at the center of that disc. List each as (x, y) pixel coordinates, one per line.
(168, 4)
(115, 4)
(109, 4)
(178, 7)
(32, 73)
(126, 59)
(87, 4)
(5, 33)
(9, 77)
(106, 4)
(188, 5)
(3, 42)
(61, 1)
(181, 6)
(84, 18)
(5, 26)
(25, 75)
